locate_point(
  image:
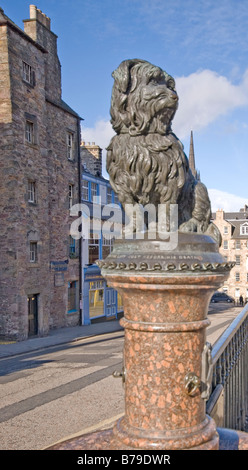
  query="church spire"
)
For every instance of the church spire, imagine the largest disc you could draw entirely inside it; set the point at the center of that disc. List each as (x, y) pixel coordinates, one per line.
(192, 158)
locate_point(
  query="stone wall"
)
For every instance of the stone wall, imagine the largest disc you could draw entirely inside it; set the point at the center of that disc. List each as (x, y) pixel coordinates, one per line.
(62, 172)
(234, 245)
(45, 221)
(91, 158)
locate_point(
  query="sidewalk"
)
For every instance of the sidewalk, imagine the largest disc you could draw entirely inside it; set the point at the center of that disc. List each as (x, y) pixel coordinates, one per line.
(59, 336)
(69, 334)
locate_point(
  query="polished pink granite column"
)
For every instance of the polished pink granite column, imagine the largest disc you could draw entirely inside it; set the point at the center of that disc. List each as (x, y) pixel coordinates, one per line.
(165, 330)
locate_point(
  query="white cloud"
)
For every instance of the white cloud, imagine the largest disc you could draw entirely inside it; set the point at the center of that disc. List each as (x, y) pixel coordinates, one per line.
(226, 201)
(203, 97)
(101, 133)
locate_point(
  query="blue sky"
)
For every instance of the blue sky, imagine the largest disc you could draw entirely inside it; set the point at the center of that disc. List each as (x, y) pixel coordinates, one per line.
(203, 44)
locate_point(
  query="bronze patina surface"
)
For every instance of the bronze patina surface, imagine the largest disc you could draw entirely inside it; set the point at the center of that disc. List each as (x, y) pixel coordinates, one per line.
(146, 162)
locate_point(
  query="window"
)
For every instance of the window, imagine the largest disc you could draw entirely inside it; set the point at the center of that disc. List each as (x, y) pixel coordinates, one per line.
(237, 260)
(33, 252)
(27, 73)
(109, 195)
(69, 145)
(72, 296)
(237, 244)
(32, 191)
(244, 229)
(73, 247)
(119, 303)
(29, 132)
(94, 252)
(94, 190)
(85, 190)
(237, 277)
(96, 299)
(225, 244)
(225, 229)
(106, 247)
(70, 195)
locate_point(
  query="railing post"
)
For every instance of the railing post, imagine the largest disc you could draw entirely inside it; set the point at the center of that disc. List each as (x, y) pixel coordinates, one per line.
(230, 358)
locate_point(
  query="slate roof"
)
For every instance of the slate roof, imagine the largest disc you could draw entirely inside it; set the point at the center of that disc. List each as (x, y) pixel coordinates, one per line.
(236, 219)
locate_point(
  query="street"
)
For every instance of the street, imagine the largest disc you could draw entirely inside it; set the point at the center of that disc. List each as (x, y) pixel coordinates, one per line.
(51, 394)
(54, 393)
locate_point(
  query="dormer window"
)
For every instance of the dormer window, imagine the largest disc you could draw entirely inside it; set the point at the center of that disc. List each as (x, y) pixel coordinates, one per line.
(244, 229)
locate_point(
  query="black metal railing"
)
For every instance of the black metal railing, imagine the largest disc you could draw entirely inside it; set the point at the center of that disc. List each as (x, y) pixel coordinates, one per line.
(228, 402)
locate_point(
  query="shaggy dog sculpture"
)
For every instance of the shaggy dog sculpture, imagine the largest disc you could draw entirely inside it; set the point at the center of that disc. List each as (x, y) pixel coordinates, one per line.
(145, 160)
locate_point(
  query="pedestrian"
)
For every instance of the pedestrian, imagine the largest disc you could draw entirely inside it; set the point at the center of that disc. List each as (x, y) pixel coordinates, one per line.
(241, 300)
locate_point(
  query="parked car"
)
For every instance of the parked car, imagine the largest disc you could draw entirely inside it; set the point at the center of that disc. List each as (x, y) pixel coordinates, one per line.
(221, 297)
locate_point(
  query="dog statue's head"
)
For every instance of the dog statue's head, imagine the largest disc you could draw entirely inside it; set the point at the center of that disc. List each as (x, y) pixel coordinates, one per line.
(144, 99)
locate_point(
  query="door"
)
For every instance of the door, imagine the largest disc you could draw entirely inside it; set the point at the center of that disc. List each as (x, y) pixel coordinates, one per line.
(110, 302)
(33, 315)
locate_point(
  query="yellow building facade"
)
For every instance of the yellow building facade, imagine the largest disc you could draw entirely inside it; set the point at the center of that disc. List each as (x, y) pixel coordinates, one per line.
(234, 247)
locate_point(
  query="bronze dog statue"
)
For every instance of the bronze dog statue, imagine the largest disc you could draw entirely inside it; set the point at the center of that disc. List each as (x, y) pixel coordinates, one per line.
(145, 160)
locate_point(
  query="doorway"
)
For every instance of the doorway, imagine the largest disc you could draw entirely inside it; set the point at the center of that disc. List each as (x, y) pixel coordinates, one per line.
(33, 315)
(110, 301)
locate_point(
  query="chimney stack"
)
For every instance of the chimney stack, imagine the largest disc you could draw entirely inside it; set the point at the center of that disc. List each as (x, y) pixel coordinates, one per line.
(38, 27)
(36, 14)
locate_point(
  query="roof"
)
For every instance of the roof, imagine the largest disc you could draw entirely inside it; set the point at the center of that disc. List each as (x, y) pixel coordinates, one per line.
(230, 216)
(236, 224)
(236, 219)
(99, 178)
(67, 108)
(62, 105)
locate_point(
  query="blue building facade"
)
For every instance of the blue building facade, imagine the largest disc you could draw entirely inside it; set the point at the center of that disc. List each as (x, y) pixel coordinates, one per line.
(98, 299)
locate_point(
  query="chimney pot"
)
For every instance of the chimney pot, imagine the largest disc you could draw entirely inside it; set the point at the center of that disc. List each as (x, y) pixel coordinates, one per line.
(32, 12)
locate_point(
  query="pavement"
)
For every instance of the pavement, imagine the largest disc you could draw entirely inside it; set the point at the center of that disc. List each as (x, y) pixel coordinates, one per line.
(59, 336)
(69, 334)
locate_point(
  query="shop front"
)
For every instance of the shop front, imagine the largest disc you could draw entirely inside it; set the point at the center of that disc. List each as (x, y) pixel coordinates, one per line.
(99, 300)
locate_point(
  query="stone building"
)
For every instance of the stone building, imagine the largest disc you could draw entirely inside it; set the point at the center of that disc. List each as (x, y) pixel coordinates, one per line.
(91, 158)
(234, 231)
(40, 180)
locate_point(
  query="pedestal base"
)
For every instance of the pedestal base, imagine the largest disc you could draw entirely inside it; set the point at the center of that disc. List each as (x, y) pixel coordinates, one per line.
(226, 439)
(201, 436)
